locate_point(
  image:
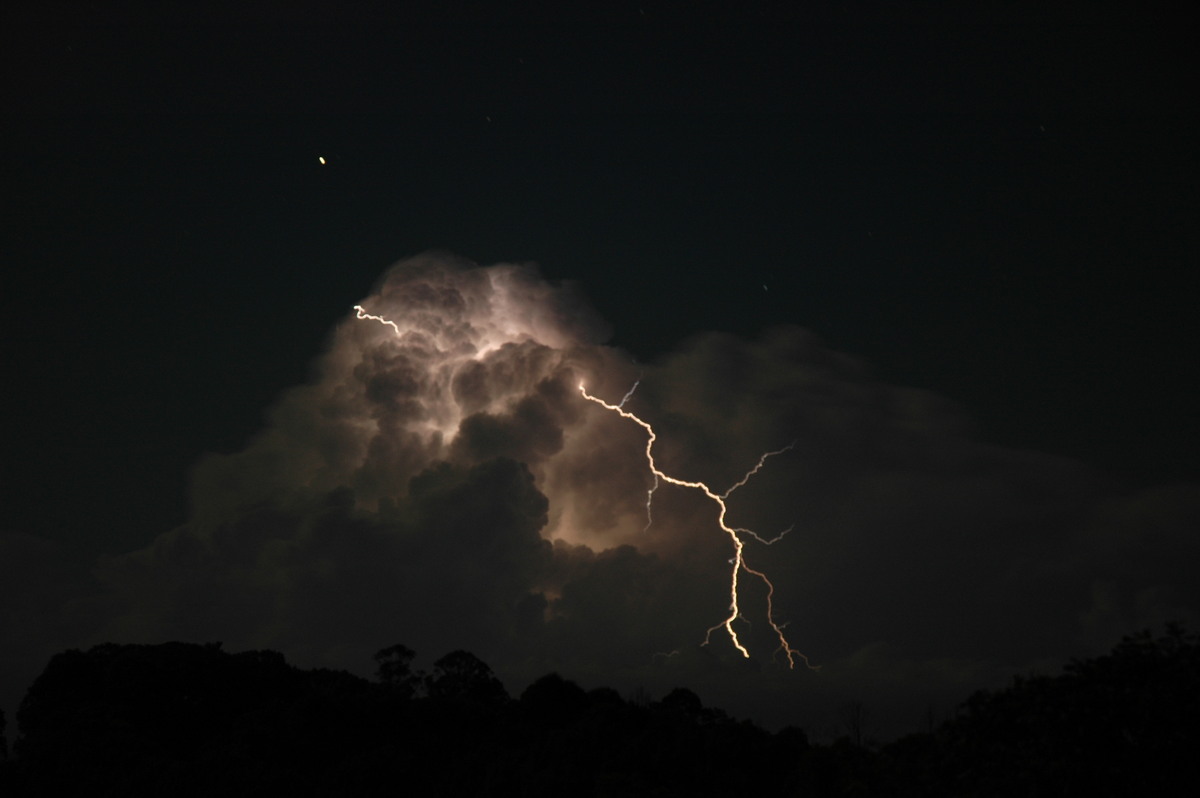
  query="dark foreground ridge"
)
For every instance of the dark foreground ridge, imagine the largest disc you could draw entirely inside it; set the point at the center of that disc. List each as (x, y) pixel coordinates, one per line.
(189, 720)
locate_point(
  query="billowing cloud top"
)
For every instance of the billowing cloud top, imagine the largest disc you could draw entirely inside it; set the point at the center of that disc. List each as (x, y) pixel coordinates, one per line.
(442, 483)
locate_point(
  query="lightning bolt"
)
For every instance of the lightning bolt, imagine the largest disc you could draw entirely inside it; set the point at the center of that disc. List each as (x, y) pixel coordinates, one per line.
(360, 314)
(629, 394)
(735, 533)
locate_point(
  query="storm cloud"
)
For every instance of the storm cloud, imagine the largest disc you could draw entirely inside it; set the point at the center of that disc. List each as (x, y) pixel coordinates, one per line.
(441, 482)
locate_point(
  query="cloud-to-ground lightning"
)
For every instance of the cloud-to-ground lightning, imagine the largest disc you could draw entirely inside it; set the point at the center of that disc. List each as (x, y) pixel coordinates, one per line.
(452, 354)
(735, 533)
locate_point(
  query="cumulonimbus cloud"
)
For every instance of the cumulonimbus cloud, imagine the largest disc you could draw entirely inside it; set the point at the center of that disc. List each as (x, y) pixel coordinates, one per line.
(441, 482)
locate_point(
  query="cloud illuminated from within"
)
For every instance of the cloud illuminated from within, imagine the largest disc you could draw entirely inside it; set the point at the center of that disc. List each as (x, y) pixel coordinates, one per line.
(442, 483)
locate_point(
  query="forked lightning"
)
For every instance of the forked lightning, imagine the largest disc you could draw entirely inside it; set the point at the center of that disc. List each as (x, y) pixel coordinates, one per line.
(735, 533)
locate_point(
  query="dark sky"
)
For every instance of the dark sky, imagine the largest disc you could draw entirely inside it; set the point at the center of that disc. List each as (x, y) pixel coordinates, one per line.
(994, 205)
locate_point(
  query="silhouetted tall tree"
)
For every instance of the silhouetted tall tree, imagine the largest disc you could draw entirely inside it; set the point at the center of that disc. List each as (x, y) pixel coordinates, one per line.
(395, 670)
(463, 676)
(854, 719)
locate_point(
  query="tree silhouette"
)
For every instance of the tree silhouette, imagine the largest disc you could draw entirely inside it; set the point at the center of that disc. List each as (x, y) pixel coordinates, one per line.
(854, 719)
(395, 672)
(554, 701)
(462, 676)
(186, 720)
(1124, 723)
(685, 702)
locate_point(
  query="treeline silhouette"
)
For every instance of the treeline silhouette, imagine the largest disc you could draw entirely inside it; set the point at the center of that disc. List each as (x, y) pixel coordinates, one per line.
(182, 719)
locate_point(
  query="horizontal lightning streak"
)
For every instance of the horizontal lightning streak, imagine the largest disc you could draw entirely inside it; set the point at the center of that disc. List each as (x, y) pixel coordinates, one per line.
(738, 561)
(360, 313)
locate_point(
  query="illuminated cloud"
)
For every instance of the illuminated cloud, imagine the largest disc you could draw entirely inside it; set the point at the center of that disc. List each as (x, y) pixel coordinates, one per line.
(442, 483)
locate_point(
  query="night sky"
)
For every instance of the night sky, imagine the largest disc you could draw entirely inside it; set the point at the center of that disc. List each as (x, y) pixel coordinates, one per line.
(950, 253)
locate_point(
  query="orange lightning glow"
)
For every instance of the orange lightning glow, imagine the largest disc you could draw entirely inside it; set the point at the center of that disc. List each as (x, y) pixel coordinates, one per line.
(735, 533)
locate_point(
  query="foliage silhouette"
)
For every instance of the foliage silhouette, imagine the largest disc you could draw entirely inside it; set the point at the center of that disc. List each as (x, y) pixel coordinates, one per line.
(462, 676)
(188, 720)
(554, 701)
(1120, 724)
(395, 670)
(685, 702)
